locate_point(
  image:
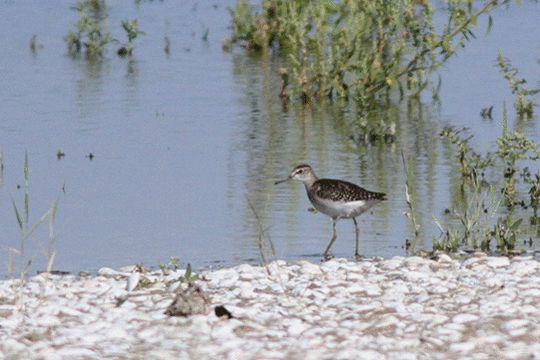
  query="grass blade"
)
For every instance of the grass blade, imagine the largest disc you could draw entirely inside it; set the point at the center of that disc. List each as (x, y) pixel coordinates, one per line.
(26, 197)
(18, 215)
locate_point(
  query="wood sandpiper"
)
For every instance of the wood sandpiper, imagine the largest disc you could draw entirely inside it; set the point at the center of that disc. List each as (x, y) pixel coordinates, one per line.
(336, 198)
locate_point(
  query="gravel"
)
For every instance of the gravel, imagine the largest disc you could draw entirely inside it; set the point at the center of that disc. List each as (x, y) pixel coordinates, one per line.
(482, 307)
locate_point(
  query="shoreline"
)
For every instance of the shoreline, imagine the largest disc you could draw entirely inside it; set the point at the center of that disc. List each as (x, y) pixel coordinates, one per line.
(402, 307)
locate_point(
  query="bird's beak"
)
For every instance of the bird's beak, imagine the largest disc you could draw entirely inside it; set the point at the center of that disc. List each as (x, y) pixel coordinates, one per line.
(282, 181)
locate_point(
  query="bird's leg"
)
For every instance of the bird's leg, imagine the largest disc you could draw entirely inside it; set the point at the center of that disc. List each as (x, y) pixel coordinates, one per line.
(357, 236)
(331, 241)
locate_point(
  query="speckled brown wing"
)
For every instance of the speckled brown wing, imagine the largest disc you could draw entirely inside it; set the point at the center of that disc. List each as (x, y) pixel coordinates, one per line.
(339, 190)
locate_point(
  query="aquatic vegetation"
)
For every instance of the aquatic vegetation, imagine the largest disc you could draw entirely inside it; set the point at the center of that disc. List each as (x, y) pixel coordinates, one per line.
(534, 188)
(132, 32)
(33, 44)
(472, 163)
(356, 50)
(524, 107)
(91, 30)
(505, 232)
(375, 127)
(92, 34)
(167, 47)
(204, 38)
(411, 215)
(476, 221)
(512, 147)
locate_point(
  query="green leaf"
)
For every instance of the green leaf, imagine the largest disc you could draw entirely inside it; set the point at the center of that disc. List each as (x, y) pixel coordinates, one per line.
(490, 25)
(187, 275)
(36, 225)
(26, 197)
(19, 218)
(515, 225)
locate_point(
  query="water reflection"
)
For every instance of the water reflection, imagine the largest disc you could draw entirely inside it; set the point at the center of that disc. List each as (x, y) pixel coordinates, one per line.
(320, 135)
(183, 143)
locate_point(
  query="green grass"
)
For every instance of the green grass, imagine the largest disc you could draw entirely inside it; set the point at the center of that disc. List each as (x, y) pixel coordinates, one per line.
(523, 104)
(22, 215)
(513, 149)
(357, 50)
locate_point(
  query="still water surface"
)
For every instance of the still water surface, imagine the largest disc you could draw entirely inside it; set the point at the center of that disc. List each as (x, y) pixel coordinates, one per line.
(182, 144)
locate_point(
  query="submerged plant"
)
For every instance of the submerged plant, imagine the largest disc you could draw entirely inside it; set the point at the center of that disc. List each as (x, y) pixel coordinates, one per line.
(408, 181)
(90, 31)
(167, 47)
(512, 147)
(375, 129)
(524, 107)
(33, 44)
(472, 163)
(356, 49)
(534, 188)
(132, 32)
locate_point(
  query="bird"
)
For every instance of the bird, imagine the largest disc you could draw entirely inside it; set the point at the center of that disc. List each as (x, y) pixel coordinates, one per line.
(338, 199)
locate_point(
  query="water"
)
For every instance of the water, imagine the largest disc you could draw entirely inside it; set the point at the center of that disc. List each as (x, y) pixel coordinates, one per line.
(183, 144)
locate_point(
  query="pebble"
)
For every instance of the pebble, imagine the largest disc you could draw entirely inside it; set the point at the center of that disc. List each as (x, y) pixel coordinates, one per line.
(482, 307)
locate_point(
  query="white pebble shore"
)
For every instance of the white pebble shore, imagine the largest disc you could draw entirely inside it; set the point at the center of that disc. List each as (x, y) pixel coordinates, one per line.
(400, 308)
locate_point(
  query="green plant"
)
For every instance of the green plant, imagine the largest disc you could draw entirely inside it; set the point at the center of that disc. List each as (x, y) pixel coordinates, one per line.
(206, 30)
(243, 26)
(372, 128)
(476, 221)
(447, 241)
(189, 277)
(408, 180)
(523, 106)
(25, 232)
(173, 264)
(90, 32)
(512, 147)
(120, 300)
(486, 113)
(132, 32)
(167, 47)
(534, 188)
(471, 162)
(33, 43)
(144, 283)
(356, 50)
(505, 232)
